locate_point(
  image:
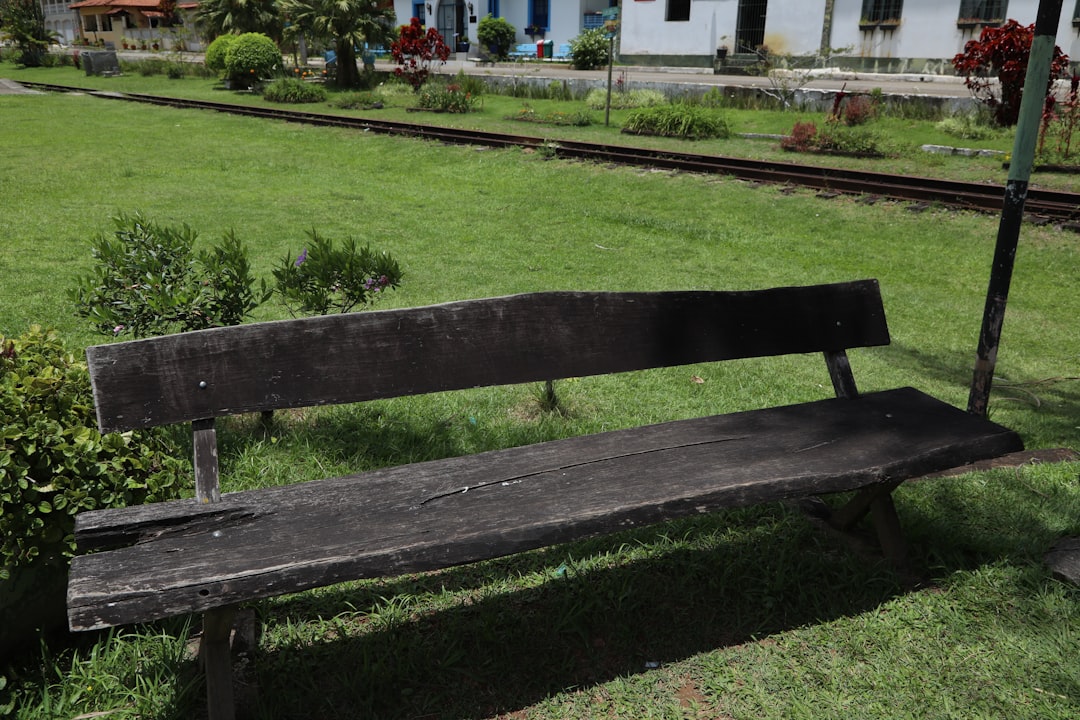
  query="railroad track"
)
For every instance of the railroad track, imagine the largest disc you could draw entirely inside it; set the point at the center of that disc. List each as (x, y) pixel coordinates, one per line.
(1048, 204)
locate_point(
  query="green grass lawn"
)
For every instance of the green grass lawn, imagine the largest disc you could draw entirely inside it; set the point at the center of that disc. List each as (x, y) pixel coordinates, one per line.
(745, 614)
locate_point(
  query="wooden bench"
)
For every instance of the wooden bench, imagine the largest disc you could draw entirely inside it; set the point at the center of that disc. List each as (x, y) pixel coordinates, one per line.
(211, 552)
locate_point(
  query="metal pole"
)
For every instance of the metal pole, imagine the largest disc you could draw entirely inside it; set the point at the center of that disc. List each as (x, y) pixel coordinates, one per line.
(1012, 211)
(610, 62)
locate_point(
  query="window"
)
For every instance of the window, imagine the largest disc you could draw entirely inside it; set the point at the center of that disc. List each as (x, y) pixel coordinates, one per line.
(678, 11)
(90, 23)
(493, 8)
(538, 14)
(1076, 13)
(418, 12)
(881, 11)
(983, 11)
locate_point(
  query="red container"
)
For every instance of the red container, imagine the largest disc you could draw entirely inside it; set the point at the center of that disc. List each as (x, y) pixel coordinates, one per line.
(540, 50)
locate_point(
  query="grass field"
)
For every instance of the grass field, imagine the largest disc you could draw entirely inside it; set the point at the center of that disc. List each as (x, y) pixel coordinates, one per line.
(745, 614)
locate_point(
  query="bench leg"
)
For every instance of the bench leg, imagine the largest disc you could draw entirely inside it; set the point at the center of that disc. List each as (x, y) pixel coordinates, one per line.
(217, 661)
(878, 502)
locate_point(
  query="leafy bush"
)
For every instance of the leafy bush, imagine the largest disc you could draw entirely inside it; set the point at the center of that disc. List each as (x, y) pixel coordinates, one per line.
(803, 138)
(291, 90)
(148, 281)
(324, 279)
(1003, 51)
(364, 100)
(447, 98)
(683, 121)
(54, 463)
(250, 58)
(590, 50)
(216, 52)
(966, 126)
(834, 137)
(496, 34)
(597, 99)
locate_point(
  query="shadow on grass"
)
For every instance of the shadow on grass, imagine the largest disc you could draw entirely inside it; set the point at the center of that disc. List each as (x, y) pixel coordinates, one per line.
(475, 641)
(1043, 410)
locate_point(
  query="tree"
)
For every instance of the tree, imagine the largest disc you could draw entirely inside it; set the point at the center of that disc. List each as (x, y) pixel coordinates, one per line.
(1003, 51)
(349, 23)
(220, 17)
(24, 22)
(415, 51)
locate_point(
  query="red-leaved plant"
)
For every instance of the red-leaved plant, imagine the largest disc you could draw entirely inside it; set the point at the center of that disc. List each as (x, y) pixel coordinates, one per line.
(416, 51)
(1003, 51)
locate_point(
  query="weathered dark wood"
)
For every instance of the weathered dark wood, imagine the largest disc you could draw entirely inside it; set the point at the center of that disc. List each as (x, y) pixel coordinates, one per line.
(186, 557)
(887, 525)
(216, 653)
(521, 338)
(204, 441)
(840, 373)
(1063, 559)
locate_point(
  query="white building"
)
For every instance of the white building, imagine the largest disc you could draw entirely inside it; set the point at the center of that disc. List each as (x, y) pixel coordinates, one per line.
(876, 35)
(559, 20)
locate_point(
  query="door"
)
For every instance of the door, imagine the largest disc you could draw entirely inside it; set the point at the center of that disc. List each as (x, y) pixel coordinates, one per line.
(750, 26)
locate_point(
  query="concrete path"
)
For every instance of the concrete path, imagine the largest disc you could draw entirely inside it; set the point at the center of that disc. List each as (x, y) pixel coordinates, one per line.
(10, 87)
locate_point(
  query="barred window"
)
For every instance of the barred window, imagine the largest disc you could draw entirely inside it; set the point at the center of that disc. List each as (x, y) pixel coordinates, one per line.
(874, 11)
(983, 10)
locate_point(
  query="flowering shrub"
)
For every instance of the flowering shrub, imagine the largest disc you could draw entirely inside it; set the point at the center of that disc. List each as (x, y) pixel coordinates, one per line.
(324, 279)
(447, 98)
(833, 137)
(590, 50)
(250, 58)
(1003, 51)
(148, 281)
(416, 51)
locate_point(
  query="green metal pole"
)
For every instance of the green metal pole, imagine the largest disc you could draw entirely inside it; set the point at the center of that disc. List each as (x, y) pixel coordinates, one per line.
(1012, 211)
(610, 62)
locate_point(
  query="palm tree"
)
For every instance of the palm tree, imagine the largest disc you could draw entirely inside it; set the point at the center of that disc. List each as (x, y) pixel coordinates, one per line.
(219, 17)
(349, 23)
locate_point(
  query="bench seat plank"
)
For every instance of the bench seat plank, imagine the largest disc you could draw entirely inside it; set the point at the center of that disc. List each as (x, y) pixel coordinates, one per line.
(182, 557)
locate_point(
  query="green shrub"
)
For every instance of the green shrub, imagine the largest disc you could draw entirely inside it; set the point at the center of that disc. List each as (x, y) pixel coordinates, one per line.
(628, 100)
(966, 126)
(324, 279)
(496, 34)
(53, 464)
(362, 100)
(837, 138)
(216, 52)
(690, 122)
(291, 90)
(590, 50)
(250, 58)
(149, 281)
(446, 98)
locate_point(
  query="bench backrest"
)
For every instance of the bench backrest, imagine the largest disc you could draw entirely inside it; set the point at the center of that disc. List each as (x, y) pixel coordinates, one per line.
(519, 338)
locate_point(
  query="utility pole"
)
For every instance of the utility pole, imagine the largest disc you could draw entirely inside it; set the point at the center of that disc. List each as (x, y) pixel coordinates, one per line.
(1012, 211)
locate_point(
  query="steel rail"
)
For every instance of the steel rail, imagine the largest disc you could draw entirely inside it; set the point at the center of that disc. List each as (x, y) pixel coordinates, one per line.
(981, 197)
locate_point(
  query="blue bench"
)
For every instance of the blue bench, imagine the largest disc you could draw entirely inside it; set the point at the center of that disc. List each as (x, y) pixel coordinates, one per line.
(525, 51)
(562, 52)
